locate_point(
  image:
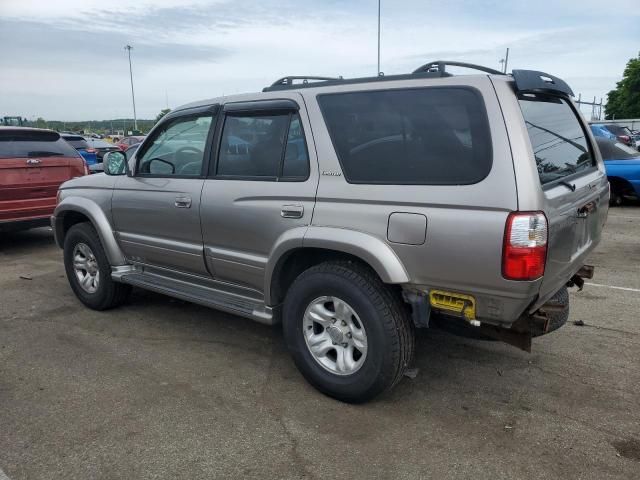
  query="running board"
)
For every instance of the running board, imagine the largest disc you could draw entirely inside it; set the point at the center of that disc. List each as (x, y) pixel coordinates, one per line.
(208, 297)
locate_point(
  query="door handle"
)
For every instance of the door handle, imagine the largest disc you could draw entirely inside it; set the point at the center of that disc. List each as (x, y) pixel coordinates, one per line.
(33, 161)
(585, 210)
(183, 202)
(292, 211)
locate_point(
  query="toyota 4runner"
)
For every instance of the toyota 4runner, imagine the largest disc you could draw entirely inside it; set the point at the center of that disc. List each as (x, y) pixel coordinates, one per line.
(353, 211)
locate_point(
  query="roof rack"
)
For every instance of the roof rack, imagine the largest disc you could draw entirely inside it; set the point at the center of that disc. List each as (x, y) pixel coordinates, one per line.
(305, 79)
(440, 66)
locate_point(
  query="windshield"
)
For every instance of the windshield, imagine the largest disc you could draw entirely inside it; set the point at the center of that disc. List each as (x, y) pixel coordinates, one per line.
(613, 150)
(558, 140)
(26, 144)
(77, 142)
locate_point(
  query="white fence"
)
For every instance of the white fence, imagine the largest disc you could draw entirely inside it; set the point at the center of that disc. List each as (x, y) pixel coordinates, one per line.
(632, 123)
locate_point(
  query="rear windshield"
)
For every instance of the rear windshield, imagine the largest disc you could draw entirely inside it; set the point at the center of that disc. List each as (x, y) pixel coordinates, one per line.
(612, 150)
(26, 144)
(419, 136)
(618, 129)
(77, 142)
(557, 137)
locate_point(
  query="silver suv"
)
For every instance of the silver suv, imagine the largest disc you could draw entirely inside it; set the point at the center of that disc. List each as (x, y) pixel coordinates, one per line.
(353, 211)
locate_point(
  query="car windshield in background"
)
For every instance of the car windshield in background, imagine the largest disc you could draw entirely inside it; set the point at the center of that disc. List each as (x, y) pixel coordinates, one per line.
(559, 143)
(430, 136)
(77, 142)
(29, 144)
(618, 129)
(100, 144)
(612, 150)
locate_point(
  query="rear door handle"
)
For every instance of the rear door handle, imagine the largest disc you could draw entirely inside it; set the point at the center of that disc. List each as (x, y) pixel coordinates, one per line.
(585, 210)
(33, 161)
(183, 201)
(292, 211)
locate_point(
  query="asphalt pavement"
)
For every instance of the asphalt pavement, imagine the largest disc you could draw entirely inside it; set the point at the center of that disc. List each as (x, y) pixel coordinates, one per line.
(163, 389)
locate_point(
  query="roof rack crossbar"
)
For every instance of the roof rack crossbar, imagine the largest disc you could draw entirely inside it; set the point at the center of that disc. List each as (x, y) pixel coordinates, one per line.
(305, 79)
(440, 66)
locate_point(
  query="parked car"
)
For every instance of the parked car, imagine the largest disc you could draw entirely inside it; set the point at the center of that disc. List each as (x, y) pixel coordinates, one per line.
(126, 142)
(623, 134)
(635, 136)
(33, 164)
(101, 147)
(622, 164)
(82, 146)
(353, 211)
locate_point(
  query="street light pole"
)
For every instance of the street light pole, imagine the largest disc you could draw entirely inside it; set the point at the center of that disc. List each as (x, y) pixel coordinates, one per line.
(133, 97)
(378, 72)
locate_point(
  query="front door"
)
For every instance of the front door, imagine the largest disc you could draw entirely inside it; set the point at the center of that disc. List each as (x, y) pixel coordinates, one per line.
(262, 185)
(156, 210)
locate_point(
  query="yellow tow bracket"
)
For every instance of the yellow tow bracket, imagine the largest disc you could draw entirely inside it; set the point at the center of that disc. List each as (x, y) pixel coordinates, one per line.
(459, 303)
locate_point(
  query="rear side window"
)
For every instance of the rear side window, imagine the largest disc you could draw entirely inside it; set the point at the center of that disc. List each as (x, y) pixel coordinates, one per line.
(263, 147)
(29, 144)
(426, 136)
(558, 140)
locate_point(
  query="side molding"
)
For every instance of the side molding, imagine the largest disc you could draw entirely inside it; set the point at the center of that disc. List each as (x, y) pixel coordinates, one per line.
(99, 220)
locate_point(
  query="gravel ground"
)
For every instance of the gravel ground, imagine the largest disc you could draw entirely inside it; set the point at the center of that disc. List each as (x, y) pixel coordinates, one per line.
(165, 389)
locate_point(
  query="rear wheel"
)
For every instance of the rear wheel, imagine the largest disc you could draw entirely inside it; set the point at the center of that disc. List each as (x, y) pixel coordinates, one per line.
(349, 334)
(88, 269)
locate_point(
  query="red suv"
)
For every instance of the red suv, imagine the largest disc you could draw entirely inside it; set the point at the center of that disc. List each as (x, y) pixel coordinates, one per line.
(33, 164)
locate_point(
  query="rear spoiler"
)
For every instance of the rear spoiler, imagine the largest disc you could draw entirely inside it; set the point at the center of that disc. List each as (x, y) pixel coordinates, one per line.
(540, 82)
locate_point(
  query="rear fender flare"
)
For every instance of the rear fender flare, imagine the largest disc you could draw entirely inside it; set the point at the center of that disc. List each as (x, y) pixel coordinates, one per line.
(368, 248)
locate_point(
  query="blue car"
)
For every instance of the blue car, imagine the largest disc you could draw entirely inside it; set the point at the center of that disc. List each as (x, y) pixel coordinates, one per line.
(622, 164)
(82, 146)
(601, 131)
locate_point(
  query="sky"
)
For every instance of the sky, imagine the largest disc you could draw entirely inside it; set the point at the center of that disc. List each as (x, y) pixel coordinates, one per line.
(65, 59)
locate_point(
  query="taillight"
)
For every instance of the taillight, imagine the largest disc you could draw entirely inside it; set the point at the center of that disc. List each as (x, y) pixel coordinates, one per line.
(624, 138)
(524, 251)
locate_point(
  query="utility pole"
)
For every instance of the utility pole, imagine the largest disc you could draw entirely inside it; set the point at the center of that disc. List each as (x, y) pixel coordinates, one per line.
(378, 72)
(133, 97)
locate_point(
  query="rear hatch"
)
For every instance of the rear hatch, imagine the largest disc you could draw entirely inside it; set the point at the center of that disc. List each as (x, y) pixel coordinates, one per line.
(574, 185)
(33, 164)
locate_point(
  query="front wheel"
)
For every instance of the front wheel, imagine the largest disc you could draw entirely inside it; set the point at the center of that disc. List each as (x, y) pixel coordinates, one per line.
(349, 334)
(88, 269)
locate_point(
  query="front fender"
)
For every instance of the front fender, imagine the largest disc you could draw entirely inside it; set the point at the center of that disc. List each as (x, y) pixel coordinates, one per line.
(97, 217)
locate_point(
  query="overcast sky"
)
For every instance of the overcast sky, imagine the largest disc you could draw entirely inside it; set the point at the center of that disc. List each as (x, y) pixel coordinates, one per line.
(64, 59)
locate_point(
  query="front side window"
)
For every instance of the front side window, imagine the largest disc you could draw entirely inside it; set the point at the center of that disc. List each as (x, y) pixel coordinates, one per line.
(263, 146)
(418, 136)
(558, 140)
(177, 149)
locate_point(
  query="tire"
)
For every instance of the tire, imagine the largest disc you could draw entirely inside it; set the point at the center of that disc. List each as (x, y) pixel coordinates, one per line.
(557, 319)
(82, 241)
(374, 309)
(616, 199)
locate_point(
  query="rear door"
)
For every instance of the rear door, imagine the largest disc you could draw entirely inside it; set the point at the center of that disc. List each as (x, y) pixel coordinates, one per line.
(574, 185)
(33, 164)
(262, 185)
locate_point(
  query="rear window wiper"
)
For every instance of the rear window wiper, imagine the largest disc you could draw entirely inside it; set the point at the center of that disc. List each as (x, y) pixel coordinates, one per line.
(570, 186)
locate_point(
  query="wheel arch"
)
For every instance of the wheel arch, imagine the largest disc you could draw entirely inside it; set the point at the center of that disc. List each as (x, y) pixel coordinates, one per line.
(73, 210)
(312, 245)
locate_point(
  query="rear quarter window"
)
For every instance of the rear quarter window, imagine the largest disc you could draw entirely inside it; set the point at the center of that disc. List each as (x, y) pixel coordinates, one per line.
(418, 136)
(25, 144)
(559, 142)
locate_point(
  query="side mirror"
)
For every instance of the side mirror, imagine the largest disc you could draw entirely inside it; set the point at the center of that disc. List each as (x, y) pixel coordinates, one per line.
(115, 163)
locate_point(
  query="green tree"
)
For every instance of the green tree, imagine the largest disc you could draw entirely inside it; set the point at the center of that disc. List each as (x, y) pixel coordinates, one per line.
(624, 100)
(41, 123)
(162, 113)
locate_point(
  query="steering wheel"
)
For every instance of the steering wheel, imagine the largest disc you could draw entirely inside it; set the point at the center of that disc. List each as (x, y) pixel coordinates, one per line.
(184, 169)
